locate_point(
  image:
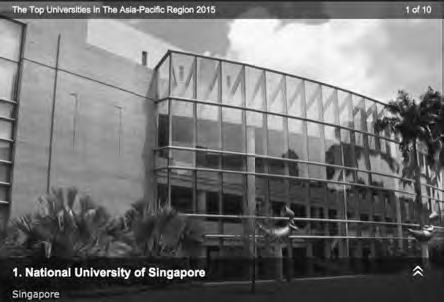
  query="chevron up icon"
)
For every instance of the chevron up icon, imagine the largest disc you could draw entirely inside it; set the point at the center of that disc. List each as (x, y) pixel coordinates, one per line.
(418, 271)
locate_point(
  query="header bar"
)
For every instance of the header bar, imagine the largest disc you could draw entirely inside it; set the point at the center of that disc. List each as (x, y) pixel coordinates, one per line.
(223, 10)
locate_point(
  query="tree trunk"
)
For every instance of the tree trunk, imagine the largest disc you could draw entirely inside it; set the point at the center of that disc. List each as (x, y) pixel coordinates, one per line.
(417, 184)
(418, 203)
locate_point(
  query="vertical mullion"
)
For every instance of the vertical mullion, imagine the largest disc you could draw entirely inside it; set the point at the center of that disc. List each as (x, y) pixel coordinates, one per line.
(170, 129)
(219, 162)
(194, 177)
(265, 144)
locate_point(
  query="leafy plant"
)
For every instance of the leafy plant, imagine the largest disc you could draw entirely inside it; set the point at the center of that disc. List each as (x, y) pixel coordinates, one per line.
(68, 224)
(153, 231)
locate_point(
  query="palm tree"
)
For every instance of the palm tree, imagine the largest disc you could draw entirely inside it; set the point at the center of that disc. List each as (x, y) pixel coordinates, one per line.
(416, 123)
(68, 224)
(153, 231)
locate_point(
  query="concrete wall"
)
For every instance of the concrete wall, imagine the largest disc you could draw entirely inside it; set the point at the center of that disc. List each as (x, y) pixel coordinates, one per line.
(104, 125)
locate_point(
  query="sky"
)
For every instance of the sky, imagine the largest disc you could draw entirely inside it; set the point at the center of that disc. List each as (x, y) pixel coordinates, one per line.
(374, 57)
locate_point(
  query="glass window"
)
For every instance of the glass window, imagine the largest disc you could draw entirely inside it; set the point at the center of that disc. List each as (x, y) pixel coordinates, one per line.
(163, 125)
(6, 109)
(208, 159)
(297, 138)
(182, 199)
(183, 124)
(10, 39)
(345, 109)
(4, 173)
(8, 77)
(255, 80)
(233, 138)
(182, 77)
(208, 127)
(231, 84)
(5, 129)
(233, 162)
(275, 92)
(277, 140)
(208, 79)
(163, 76)
(232, 204)
(295, 97)
(5, 151)
(333, 150)
(330, 103)
(4, 192)
(312, 100)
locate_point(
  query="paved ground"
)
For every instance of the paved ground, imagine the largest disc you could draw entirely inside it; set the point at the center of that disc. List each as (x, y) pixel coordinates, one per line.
(402, 288)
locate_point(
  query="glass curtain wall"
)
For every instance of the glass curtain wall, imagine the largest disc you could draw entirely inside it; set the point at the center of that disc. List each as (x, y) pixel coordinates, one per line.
(10, 50)
(235, 140)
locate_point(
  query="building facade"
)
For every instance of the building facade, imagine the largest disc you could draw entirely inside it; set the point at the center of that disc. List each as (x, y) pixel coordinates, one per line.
(218, 140)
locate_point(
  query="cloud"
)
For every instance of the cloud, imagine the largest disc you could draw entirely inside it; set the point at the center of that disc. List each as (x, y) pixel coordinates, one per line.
(365, 56)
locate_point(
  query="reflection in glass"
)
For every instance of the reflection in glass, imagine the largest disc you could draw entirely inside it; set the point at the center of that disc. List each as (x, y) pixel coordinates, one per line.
(4, 173)
(6, 109)
(295, 97)
(233, 137)
(208, 75)
(4, 192)
(183, 124)
(275, 92)
(5, 151)
(163, 76)
(5, 129)
(232, 79)
(8, 77)
(182, 75)
(10, 39)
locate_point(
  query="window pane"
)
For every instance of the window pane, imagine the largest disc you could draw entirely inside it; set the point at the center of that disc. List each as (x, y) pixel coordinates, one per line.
(276, 137)
(162, 79)
(8, 75)
(183, 124)
(6, 109)
(5, 151)
(208, 76)
(10, 39)
(231, 84)
(297, 139)
(232, 130)
(182, 199)
(182, 77)
(295, 94)
(255, 88)
(275, 92)
(5, 129)
(4, 193)
(312, 94)
(208, 127)
(4, 173)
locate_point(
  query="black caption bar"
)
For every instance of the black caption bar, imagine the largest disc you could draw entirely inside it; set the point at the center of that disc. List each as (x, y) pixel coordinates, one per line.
(224, 10)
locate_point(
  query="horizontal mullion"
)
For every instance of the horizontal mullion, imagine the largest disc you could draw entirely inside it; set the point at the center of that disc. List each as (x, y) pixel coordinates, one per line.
(4, 100)
(8, 119)
(283, 177)
(7, 140)
(5, 184)
(5, 162)
(3, 202)
(9, 60)
(311, 237)
(222, 216)
(290, 160)
(189, 100)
